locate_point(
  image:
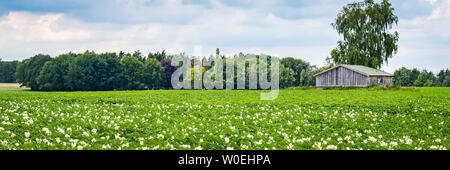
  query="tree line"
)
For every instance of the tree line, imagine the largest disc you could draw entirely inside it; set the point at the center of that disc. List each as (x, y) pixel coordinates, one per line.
(7, 70)
(90, 71)
(407, 77)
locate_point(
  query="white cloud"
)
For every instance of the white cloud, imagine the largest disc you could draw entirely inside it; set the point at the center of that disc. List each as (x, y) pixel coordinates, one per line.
(441, 11)
(432, 1)
(217, 26)
(177, 27)
(424, 40)
(26, 27)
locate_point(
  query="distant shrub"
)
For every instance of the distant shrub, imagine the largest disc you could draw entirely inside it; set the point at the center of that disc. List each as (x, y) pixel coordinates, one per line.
(341, 88)
(377, 87)
(374, 87)
(301, 88)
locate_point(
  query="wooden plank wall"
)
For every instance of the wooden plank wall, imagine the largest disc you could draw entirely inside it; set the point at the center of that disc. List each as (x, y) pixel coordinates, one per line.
(387, 81)
(341, 77)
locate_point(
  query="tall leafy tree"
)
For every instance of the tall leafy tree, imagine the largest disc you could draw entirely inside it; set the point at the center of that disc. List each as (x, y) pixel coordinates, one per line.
(287, 77)
(425, 79)
(218, 52)
(150, 55)
(28, 70)
(111, 74)
(442, 76)
(88, 72)
(402, 77)
(132, 73)
(297, 65)
(7, 70)
(54, 76)
(367, 39)
(121, 54)
(168, 69)
(446, 81)
(414, 75)
(160, 55)
(20, 72)
(139, 56)
(154, 75)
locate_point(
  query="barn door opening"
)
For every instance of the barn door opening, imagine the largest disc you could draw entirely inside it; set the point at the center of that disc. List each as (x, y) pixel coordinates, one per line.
(380, 80)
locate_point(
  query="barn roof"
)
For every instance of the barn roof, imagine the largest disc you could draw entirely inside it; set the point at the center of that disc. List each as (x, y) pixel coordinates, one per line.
(360, 69)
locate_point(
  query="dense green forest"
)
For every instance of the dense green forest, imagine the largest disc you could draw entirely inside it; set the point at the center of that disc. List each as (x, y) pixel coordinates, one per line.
(90, 71)
(7, 70)
(407, 77)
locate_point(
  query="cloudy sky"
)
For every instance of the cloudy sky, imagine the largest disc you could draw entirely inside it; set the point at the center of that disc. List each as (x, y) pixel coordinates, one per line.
(284, 28)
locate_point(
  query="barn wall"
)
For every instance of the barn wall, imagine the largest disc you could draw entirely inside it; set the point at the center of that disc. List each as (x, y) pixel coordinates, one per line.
(341, 77)
(386, 81)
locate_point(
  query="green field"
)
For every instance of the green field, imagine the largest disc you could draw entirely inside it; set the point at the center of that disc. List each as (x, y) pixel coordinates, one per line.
(218, 119)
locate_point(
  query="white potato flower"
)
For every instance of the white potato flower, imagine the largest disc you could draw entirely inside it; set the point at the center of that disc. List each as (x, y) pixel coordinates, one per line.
(27, 134)
(331, 147)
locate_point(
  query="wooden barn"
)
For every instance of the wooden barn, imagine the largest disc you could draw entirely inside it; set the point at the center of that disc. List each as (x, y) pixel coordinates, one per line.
(352, 76)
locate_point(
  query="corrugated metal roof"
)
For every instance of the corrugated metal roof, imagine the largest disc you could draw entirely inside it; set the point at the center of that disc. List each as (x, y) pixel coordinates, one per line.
(367, 70)
(361, 69)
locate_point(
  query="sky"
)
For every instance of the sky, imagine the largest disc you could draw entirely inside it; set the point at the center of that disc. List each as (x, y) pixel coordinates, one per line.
(284, 28)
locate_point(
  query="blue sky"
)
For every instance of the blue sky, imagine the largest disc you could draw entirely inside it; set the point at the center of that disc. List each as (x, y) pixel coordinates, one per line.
(284, 28)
